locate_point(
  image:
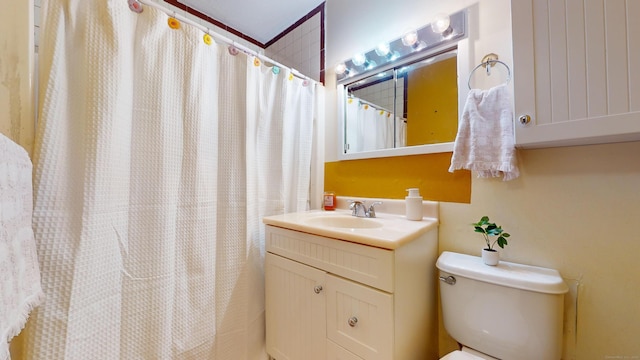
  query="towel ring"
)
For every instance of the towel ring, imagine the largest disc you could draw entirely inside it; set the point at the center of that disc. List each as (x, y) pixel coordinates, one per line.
(488, 63)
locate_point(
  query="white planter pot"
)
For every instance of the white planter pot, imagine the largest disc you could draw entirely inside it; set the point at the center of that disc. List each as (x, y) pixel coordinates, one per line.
(490, 257)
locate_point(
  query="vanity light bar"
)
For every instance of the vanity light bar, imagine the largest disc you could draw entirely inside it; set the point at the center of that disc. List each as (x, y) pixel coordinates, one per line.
(412, 44)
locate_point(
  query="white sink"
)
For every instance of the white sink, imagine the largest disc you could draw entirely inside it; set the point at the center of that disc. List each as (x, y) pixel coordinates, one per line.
(347, 222)
(387, 231)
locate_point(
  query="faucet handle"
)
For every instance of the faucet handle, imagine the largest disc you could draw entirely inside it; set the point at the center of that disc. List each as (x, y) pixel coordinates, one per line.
(355, 205)
(372, 211)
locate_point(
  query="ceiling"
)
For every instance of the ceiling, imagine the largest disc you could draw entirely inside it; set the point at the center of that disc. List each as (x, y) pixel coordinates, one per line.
(260, 19)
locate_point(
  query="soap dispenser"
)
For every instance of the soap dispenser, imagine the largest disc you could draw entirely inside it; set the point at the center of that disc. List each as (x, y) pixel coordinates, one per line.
(413, 204)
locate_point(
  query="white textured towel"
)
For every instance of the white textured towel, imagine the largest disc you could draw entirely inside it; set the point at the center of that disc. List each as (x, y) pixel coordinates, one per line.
(485, 140)
(20, 289)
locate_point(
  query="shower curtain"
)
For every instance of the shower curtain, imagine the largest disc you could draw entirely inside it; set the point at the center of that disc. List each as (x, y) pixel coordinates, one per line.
(369, 128)
(156, 157)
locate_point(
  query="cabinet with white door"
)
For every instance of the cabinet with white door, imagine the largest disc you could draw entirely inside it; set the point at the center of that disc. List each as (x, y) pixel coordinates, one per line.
(576, 72)
(332, 299)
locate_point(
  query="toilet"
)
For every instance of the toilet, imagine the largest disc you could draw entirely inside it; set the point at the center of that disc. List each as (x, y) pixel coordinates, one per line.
(509, 311)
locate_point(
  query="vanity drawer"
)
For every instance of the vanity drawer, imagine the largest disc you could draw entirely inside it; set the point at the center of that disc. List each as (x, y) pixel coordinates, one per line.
(365, 264)
(359, 318)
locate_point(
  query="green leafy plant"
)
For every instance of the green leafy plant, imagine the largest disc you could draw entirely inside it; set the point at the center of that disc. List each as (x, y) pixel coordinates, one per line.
(488, 229)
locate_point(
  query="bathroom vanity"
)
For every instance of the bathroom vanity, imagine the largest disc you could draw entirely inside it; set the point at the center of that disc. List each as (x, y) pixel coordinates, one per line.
(341, 287)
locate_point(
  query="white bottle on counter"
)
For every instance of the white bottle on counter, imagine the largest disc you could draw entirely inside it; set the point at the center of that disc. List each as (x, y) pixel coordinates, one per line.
(413, 204)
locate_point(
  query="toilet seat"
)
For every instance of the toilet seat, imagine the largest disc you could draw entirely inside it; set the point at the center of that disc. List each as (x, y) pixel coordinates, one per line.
(466, 354)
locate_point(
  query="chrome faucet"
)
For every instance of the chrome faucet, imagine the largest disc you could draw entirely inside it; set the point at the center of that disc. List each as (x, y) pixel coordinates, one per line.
(359, 209)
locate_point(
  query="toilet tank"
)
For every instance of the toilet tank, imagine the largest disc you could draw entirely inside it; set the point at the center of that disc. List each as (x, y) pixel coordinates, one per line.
(508, 311)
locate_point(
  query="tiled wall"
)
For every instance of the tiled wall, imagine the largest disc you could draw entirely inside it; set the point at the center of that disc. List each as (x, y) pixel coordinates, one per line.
(382, 94)
(300, 48)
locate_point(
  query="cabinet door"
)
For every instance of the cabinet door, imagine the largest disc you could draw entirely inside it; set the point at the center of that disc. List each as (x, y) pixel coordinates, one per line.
(360, 318)
(336, 352)
(295, 310)
(576, 71)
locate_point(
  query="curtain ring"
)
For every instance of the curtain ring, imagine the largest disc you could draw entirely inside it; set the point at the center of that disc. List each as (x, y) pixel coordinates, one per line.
(135, 6)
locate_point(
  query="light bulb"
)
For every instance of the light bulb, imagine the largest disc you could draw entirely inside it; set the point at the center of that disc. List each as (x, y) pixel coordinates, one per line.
(382, 49)
(440, 23)
(340, 68)
(370, 64)
(419, 46)
(410, 37)
(358, 59)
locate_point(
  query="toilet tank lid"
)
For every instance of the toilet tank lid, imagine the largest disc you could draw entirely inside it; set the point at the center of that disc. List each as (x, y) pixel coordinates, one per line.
(519, 276)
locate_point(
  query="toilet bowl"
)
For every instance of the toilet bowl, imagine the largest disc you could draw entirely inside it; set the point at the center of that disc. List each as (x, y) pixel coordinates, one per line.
(467, 354)
(525, 303)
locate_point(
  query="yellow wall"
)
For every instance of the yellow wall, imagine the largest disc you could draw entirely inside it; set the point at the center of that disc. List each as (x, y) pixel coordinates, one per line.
(390, 177)
(432, 113)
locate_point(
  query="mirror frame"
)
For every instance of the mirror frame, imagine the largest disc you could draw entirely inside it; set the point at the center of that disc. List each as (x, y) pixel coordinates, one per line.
(445, 45)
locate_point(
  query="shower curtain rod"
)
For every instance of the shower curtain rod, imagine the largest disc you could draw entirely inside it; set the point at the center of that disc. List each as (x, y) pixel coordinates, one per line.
(377, 107)
(223, 39)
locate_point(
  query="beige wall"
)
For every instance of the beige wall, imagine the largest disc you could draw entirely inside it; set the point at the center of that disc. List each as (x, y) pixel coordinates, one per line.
(16, 66)
(16, 63)
(574, 209)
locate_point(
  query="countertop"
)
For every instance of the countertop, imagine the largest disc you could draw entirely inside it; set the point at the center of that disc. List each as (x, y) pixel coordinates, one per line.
(395, 231)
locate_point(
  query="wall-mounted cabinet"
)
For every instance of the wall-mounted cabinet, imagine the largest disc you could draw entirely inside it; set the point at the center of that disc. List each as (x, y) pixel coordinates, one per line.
(576, 71)
(332, 299)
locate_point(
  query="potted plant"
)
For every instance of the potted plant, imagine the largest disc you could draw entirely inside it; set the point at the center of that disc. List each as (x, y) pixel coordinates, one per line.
(491, 256)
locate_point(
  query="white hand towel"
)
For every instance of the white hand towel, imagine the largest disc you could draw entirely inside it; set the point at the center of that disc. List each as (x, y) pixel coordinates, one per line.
(20, 289)
(485, 141)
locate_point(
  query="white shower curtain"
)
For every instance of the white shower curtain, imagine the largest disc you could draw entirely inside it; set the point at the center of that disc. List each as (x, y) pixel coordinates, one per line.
(369, 128)
(156, 157)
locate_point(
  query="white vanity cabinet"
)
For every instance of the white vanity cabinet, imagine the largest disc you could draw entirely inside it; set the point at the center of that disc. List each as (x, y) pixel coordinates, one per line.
(296, 310)
(576, 71)
(333, 299)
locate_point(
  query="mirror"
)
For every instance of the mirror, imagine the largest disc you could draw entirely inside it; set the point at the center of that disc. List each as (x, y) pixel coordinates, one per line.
(401, 98)
(411, 104)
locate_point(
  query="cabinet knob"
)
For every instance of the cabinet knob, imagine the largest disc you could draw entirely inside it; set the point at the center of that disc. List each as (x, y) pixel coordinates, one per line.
(317, 289)
(524, 119)
(353, 321)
